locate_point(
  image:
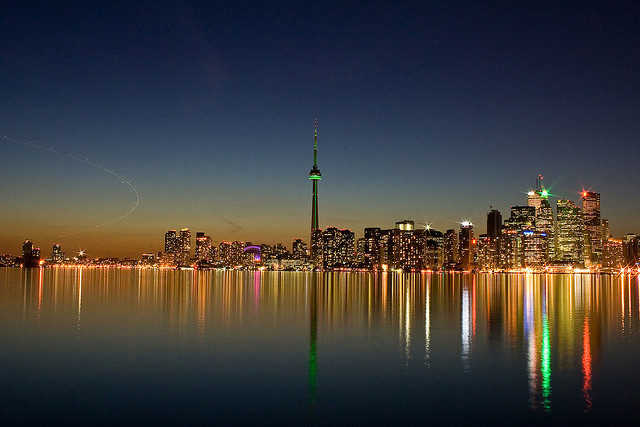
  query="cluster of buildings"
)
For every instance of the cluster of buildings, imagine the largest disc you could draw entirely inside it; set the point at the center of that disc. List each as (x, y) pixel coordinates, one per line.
(533, 237)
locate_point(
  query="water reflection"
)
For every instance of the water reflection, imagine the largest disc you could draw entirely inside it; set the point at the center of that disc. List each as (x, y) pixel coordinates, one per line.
(549, 332)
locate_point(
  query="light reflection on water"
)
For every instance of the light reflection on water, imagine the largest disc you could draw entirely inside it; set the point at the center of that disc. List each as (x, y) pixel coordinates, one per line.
(317, 348)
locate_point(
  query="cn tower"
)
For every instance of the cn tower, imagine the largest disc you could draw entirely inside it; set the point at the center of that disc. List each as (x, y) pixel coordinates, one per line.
(314, 176)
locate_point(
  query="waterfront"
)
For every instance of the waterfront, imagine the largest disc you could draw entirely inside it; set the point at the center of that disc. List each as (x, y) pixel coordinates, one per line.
(114, 346)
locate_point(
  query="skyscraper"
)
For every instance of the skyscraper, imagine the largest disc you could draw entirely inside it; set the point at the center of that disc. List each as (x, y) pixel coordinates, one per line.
(494, 236)
(316, 233)
(184, 247)
(544, 224)
(569, 235)
(592, 224)
(203, 247)
(466, 245)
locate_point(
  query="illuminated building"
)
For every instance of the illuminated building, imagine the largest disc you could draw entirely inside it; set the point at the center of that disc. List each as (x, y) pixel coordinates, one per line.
(613, 254)
(592, 225)
(433, 244)
(535, 245)
(371, 256)
(544, 224)
(30, 255)
(360, 251)
(466, 245)
(251, 255)
(605, 231)
(57, 256)
(569, 236)
(203, 248)
(406, 246)
(518, 227)
(232, 254)
(299, 249)
(316, 233)
(170, 246)
(494, 236)
(483, 251)
(338, 248)
(450, 249)
(405, 225)
(631, 249)
(184, 247)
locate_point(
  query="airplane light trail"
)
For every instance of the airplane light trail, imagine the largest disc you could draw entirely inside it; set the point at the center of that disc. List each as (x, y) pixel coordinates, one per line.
(86, 161)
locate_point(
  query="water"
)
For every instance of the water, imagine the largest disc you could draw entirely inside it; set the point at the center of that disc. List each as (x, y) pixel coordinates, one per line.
(107, 346)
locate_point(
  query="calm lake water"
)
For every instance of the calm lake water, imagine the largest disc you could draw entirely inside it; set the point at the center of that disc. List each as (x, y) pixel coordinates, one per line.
(106, 346)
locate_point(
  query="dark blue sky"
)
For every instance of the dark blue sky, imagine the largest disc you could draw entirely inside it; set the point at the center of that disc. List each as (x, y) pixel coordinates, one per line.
(430, 112)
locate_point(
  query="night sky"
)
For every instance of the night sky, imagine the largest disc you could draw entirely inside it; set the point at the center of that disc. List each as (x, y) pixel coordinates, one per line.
(426, 111)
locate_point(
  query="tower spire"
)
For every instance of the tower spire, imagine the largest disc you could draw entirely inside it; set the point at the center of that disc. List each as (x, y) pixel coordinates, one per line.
(315, 144)
(314, 176)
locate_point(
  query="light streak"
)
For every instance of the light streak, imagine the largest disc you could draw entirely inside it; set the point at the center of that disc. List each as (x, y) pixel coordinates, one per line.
(86, 161)
(586, 364)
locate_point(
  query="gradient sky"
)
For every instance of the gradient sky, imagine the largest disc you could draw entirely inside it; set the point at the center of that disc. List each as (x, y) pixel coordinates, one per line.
(431, 112)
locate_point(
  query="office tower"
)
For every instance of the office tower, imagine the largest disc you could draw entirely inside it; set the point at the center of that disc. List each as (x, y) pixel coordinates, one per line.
(232, 254)
(57, 256)
(433, 245)
(372, 247)
(592, 225)
(544, 224)
(569, 233)
(450, 249)
(494, 236)
(203, 248)
(30, 255)
(338, 248)
(184, 247)
(483, 253)
(170, 246)
(406, 246)
(466, 245)
(535, 249)
(605, 231)
(316, 233)
(613, 254)
(522, 219)
(360, 251)
(299, 249)
(631, 249)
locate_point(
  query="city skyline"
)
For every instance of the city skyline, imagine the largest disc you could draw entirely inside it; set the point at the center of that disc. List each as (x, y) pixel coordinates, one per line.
(428, 112)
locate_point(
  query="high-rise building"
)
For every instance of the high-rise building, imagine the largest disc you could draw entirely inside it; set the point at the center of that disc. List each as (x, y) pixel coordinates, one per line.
(494, 236)
(57, 256)
(407, 246)
(338, 247)
(203, 248)
(613, 255)
(466, 245)
(521, 221)
(631, 249)
(184, 247)
(171, 246)
(544, 222)
(232, 254)
(299, 249)
(606, 233)
(316, 233)
(569, 233)
(433, 245)
(372, 247)
(30, 255)
(592, 224)
(450, 248)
